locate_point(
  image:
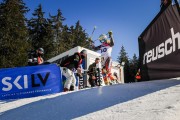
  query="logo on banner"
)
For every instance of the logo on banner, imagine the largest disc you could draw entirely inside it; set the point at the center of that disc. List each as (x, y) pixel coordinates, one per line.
(9, 85)
(164, 49)
(31, 81)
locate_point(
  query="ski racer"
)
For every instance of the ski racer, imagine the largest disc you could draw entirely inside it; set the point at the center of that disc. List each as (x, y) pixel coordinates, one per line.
(106, 50)
(69, 66)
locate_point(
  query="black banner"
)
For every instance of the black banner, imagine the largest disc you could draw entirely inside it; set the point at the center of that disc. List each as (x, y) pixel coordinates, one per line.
(159, 46)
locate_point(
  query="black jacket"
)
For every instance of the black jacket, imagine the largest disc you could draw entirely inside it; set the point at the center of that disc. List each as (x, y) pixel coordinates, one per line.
(72, 61)
(92, 70)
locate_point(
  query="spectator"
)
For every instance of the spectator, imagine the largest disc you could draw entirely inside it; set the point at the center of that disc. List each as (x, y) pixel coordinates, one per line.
(69, 66)
(92, 73)
(35, 57)
(116, 79)
(138, 76)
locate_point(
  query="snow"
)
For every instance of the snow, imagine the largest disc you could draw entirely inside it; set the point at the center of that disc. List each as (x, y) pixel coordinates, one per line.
(153, 100)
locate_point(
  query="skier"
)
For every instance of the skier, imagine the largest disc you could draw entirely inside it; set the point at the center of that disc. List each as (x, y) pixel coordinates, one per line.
(106, 49)
(35, 57)
(69, 66)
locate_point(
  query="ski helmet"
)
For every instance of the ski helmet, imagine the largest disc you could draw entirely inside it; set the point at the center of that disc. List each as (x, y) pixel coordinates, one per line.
(103, 38)
(41, 50)
(83, 53)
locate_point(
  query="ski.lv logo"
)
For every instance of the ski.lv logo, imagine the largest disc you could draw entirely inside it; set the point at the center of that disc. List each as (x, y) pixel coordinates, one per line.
(23, 82)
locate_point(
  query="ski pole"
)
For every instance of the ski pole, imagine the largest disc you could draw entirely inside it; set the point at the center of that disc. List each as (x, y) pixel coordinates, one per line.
(90, 39)
(93, 32)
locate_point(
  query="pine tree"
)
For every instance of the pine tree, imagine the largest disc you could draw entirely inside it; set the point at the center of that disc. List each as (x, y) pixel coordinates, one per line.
(41, 32)
(123, 57)
(13, 33)
(79, 36)
(37, 28)
(49, 43)
(135, 62)
(57, 24)
(67, 38)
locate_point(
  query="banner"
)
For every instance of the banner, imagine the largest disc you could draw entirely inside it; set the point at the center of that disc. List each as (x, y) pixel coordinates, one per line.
(31, 81)
(159, 46)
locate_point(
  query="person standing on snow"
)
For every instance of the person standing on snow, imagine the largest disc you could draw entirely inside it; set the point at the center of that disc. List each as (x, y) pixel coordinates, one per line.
(106, 50)
(69, 66)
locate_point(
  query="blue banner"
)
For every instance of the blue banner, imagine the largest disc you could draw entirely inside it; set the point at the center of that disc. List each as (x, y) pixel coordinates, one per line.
(31, 81)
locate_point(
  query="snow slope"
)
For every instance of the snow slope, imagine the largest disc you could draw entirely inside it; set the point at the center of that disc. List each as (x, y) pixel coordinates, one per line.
(153, 100)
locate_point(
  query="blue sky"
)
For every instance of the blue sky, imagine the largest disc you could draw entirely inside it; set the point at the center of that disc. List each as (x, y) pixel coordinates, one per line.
(126, 18)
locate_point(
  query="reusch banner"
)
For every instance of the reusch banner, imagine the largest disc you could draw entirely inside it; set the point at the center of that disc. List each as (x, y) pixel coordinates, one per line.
(25, 82)
(159, 46)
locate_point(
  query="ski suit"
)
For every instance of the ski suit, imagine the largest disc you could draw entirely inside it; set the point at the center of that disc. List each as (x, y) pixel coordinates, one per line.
(106, 50)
